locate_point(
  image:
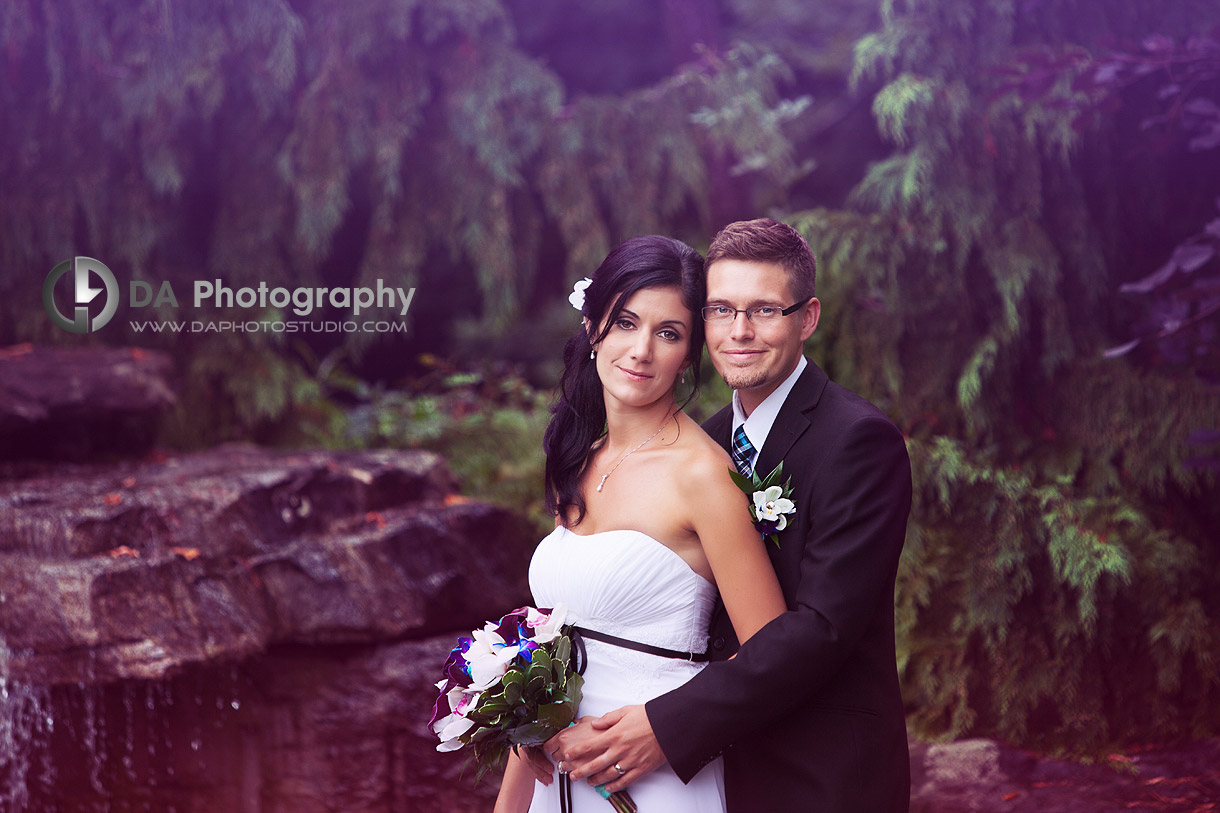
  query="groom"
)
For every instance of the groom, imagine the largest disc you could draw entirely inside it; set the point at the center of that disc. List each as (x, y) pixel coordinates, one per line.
(808, 715)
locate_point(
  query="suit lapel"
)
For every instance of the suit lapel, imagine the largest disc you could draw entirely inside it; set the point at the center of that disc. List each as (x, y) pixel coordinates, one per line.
(719, 427)
(793, 419)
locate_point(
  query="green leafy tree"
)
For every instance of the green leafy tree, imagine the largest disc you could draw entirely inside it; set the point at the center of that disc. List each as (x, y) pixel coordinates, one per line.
(1054, 590)
(1034, 164)
(311, 144)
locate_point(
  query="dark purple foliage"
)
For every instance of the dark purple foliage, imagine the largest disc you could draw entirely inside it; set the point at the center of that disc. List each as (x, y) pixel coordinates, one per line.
(1180, 325)
(1182, 303)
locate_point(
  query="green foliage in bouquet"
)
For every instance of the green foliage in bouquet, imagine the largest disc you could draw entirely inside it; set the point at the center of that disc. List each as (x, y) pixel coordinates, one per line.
(548, 691)
(511, 683)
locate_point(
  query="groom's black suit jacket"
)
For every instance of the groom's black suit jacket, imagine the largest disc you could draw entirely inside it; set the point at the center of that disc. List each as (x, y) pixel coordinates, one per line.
(811, 705)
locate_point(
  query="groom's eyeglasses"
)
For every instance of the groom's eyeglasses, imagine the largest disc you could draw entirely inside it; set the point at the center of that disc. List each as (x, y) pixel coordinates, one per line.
(759, 314)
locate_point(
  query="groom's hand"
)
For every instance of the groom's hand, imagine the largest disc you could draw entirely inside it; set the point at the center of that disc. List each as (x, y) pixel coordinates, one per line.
(622, 749)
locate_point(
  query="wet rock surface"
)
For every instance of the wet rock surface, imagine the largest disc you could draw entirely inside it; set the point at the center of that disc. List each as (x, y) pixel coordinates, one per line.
(137, 570)
(81, 403)
(298, 730)
(240, 630)
(237, 629)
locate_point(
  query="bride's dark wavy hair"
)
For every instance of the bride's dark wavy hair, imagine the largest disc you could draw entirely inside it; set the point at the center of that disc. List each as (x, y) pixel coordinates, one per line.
(578, 417)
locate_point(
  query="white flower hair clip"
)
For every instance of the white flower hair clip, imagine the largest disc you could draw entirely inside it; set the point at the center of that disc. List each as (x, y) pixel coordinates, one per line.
(577, 297)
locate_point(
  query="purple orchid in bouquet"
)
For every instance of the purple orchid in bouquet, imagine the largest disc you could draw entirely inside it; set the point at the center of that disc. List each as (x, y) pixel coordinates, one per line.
(511, 683)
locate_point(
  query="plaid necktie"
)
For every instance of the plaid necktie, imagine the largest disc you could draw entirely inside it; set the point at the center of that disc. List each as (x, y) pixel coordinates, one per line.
(743, 452)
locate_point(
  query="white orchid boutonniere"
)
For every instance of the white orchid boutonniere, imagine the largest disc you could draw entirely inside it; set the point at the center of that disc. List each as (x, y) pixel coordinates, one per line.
(771, 502)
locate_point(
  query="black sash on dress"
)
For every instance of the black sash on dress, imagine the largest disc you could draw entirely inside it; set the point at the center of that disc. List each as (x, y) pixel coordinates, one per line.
(577, 635)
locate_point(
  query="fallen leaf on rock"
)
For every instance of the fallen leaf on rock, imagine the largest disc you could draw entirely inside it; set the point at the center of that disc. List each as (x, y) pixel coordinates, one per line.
(189, 554)
(113, 498)
(375, 518)
(457, 499)
(128, 482)
(1008, 797)
(15, 351)
(123, 550)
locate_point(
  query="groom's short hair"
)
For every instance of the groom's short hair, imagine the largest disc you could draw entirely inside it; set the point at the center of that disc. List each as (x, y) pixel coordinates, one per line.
(767, 240)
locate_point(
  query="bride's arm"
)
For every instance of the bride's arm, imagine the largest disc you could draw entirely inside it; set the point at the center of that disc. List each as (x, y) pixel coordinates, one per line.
(517, 788)
(734, 548)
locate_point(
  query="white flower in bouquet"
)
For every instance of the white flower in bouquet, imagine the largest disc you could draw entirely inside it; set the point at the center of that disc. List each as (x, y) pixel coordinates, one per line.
(489, 656)
(546, 627)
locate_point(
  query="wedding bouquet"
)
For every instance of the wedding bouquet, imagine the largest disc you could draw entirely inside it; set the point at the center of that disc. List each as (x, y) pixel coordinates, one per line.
(511, 683)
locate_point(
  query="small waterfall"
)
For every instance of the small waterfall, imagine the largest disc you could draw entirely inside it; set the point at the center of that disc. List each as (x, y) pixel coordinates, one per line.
(24, 719)
(238, 630)
(155, 746)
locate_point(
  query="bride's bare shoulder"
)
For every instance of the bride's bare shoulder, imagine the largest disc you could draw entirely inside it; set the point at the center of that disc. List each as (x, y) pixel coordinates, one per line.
(700, 457)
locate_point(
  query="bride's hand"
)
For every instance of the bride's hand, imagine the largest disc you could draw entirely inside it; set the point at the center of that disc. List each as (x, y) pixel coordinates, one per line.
(562, 749)
(573, 746)
(535, 759)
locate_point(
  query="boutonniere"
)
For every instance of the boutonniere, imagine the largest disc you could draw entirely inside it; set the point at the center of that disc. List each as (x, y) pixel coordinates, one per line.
(771, 502)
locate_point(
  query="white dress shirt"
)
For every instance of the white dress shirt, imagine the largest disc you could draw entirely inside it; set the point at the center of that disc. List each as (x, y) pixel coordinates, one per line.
(758, 424)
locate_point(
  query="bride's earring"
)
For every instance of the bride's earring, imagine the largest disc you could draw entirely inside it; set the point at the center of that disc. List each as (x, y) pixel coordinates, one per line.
(683, 378)
(592, 353)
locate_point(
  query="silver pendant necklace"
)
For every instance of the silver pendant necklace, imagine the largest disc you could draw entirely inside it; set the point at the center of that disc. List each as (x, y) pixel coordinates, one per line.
(633, 451)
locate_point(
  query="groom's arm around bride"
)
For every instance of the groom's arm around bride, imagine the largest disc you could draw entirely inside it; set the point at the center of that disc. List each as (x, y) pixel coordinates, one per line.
(811, 704)
(808, 715)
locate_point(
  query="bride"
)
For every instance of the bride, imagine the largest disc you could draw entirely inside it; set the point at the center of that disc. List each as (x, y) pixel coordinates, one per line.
(649, 525)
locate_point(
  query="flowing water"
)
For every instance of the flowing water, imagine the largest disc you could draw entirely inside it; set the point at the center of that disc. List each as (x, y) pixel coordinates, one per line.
(174, 746)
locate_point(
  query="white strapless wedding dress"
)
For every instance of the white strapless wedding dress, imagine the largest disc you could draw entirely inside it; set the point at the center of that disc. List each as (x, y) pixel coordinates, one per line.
(625, 583)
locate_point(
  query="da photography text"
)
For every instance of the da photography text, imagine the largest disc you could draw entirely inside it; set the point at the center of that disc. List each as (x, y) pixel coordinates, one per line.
(95, 292)
(302, 300)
